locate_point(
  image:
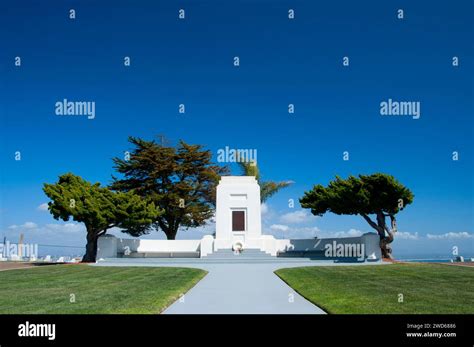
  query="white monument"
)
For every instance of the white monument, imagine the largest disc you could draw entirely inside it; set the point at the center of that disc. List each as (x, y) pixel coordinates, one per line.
(238, 219)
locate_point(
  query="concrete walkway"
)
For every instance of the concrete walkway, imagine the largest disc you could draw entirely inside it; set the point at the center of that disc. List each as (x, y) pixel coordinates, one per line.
(235, 288)
(242, 288)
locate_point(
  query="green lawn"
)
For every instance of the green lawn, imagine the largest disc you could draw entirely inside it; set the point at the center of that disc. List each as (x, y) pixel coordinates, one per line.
(48, 289)
(426, 288)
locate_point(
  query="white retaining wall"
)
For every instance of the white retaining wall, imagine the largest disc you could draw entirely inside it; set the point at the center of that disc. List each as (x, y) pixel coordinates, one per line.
(369, 240)
(109, 246)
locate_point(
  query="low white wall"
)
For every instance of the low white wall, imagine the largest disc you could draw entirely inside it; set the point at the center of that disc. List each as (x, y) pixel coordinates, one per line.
(372, 246)
(143, 246)
(314, 244)
(169, 246)
(207, 245)
(109, 246)
(369, 240)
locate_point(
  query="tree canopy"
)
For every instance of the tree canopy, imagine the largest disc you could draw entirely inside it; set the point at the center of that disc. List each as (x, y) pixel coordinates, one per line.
(379, 194)
(98, 208)
(181, 181)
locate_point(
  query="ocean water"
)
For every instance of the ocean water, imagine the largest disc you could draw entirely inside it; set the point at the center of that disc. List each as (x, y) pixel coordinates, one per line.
(433, 259)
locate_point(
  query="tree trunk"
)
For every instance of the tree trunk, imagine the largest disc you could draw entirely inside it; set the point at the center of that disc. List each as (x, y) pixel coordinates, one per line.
(91, 248)
(387, 240)
(386, 234)
(168, 228)
(170, 233)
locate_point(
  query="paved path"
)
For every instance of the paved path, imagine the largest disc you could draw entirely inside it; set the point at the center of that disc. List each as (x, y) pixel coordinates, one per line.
(242, 288)
(235, 288)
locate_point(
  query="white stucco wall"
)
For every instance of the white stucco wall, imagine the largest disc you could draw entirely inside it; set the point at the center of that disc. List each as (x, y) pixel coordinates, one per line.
(207, 245)
(109, 246)
(160, 245)
(369, 240)
(372, 246)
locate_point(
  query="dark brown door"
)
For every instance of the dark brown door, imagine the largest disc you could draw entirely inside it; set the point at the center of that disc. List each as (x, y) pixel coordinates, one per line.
(238, 220)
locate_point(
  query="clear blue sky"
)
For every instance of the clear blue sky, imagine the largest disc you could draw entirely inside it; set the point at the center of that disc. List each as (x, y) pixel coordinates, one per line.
(282, 61)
